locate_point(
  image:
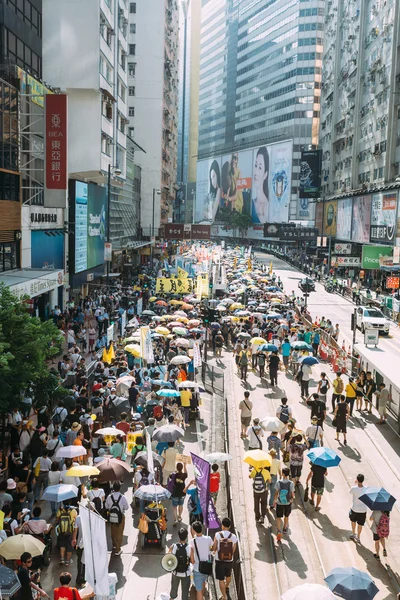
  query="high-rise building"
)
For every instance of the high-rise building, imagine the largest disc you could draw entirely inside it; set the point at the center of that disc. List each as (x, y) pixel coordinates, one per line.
(260, 72)
(152, 104)
(360, 132)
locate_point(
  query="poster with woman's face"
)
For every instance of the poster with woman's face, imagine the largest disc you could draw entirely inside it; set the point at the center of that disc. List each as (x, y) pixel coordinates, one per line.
(208, 189)
(361, 219)
(272, 175)
(330, 218)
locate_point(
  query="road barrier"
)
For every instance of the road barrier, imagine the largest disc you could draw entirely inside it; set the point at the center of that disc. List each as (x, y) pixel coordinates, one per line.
(213, 378)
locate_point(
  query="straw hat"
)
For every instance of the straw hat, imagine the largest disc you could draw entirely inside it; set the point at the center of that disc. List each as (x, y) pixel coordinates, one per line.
(76, 427)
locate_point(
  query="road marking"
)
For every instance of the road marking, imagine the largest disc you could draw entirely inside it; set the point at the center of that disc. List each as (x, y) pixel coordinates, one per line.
(349, 550)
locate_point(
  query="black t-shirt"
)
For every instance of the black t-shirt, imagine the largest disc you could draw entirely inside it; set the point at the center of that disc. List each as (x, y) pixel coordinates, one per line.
(24, 579)
(317, 409)
(179, 484)
(83, 401)
(318, 477)
(371, 386)
(133, 394)
(273, 362)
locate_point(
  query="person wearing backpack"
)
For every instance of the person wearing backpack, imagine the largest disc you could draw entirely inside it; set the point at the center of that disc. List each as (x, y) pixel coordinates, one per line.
(284, 412)
(65, 521)
(243, 363)
(117, 505)
(225, 543)
(181, 575)
(59, 415)
(323, 387)
(284, 494)
(261, 478)
(97, 496)
(380, 527)
(338, 387)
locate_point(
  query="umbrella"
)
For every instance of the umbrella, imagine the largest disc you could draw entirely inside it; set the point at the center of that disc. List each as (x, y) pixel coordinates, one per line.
(151, 493)
(153, 299)
(194, 322)
(141, 459)
(16, 545)
(70, 452)
(161, 303)
(221, 308)
(174, 324)
(168, 433)
(352, 584)
(217, 457)
(168, 393)
(180, 330)
(378, 499)
(82, 471)
(134, 350)
(242, 313)
(148, 313)
(309, 591)
(60, 492)
(258, 341)
(268, 348)
(301, 346)
(9, 582)
(182, 343)
(309, 360)
(124, 383)
(109, 431)
(112, 469)
(162, 330)
(191, 384)
(180, 313)
(244, 336)
(272, 424)
(257, 459)
(181, 359)
(274, 315)
(160, 383)
(324, 457)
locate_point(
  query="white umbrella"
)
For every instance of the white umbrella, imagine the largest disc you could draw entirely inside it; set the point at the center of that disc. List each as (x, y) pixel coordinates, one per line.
(109, 431)
(180, 360)
(217, 457)
(309, 591)
(272, 424)
(70, 452)
(190, 384)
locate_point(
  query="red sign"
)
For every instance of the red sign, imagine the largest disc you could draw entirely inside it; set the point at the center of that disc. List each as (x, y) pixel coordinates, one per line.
(201, 232)
(173, 231)
(392, 283)
(56, 117)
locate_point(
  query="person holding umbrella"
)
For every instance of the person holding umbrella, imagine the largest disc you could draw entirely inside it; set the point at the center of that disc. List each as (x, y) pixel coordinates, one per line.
(380, 521)
(317, 475)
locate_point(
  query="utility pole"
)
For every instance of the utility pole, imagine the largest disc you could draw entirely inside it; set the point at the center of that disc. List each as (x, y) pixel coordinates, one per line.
(108, 221)
(354, 329)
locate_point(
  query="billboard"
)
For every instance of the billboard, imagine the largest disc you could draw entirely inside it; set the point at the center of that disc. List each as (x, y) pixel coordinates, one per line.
(47, 251)
(344, 215)
(383, 217)
(330, 218)
(319, 217)
(310, 173)
(256, 182)
(90, 225)
(360, 228)
(372, 254)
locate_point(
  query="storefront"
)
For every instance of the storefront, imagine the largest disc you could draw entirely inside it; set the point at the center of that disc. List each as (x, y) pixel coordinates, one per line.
(44, 288)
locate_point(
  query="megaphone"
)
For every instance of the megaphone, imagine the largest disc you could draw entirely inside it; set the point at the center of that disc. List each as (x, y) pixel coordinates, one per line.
(169, 562)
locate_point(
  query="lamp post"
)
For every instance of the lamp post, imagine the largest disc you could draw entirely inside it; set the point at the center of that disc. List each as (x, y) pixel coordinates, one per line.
(116, 171)
(193, 206)
(158, 192)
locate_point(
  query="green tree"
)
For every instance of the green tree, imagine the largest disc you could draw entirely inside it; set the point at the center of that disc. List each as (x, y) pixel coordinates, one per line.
(241, 222)
(26, 344)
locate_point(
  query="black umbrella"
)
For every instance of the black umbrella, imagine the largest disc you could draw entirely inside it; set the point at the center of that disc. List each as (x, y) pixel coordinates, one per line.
(142, 457)
(9, 582)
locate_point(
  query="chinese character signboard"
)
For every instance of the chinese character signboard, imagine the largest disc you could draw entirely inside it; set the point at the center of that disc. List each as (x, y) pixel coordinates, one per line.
(165, 285)
(173, 231)
(346, 261)
(342, 248)
(56, 141)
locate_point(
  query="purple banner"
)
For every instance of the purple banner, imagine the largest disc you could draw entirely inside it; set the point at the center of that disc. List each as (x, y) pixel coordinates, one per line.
(202, 475)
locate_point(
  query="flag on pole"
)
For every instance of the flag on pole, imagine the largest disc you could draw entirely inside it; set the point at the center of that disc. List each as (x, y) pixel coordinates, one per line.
(202, 474)
(95, 555)
(270, 268)
(150, 460)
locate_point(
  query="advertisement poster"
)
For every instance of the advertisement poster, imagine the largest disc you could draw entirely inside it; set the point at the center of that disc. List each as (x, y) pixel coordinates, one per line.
(47, 252)
(344, 215)
(96, 225)
(372, 254)
(255, 182)
(330, 218)
(383, 217)
(81, 223)
(173, 286)
(310, 174)
(361, 223)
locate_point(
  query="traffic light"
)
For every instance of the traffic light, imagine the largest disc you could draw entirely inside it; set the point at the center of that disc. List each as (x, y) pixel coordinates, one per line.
(212, 315)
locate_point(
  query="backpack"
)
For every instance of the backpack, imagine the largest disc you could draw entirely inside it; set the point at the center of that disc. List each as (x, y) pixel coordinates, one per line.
(98, 504)
(115, 512)
(259, 485)
(383, 529)
(57, 417)
(225, 551)
(284, 416)
(339, 387)
(157, 412)
(243, 360)
(285, 495)
(324, 388)
(182, 558)
(7, 527)
(66, 525)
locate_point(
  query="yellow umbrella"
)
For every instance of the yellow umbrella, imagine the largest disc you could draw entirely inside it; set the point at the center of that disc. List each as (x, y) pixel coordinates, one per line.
(133, 350)
(108, 355)
(170, 317)
(133, 339)
(276, 300)
(236, 305)
(162, 330)
(82, 471)
(175, 302)
(183, 319)
(152, 299)
(257, 459)
(14, 546)
(257, 341)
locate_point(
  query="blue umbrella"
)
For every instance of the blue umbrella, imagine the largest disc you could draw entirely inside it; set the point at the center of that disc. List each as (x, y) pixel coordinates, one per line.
(378, 499)
(168, 393)
(160, 383)
(301, 345)
(324, 457)
(60, 493)
(273, 288)
(268, 347)
(274, 316)
(352, 584)
(309, 360)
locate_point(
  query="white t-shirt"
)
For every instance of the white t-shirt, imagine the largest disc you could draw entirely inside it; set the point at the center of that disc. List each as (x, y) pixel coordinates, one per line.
(203, 544)
(253, 441)
(225, 534)
(97, 494)
(306, 369)
(54, 477)
(358, 506)
(187, 573)
(170, 458)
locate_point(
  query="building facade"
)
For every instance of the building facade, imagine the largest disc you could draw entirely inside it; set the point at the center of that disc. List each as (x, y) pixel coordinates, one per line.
(260, 74)
(152, 105)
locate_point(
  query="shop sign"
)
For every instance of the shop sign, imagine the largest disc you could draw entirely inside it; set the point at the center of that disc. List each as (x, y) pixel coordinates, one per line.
(342, 248)
(174, 231)
(41, 285)
(56, 141)
(372, 254)
(46, 218)
(392, 283)
(371, 337)
(107, 251)
(346, 261)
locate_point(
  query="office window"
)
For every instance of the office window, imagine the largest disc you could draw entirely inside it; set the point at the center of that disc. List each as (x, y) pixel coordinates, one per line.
(131, 111)
(132, 27)
(131, 90)
(131, 69)
(8, 256)
(132, 49)
(132, 7)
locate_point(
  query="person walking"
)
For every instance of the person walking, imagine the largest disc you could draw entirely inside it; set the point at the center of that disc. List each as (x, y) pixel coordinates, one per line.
(245, 407)
(296, 450)
(181, 575)
(318, 408)
(284, 412)
(314, 434)
(285, 350)
(65, 520)
(41, 468)
(342, 413)
(305, 375)
(225, 543)
(275, 472)
(261, 359)
(243, 363)
(358, 512)
(317, 475)
(219, 342)
(370, 389)
(200, 547)
(338, 387)
(261, 478)
(27, 580)
(273, 368)
(380, 527)
(117, 505)
(383, 400)
(284, 494)
(255, 433)
(178, 494)
(186, 397)
(359, 392)
(351, 394)
(274, 442)
(65, 591)
(323, 387)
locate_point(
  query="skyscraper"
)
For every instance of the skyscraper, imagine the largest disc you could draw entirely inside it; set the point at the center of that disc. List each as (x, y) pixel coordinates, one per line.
(260, 73)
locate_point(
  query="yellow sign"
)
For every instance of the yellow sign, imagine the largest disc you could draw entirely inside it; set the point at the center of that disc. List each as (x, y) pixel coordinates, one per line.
(37, 90)
(199, 287)
(173, 286)
(204, 285)
(145, 252)
(182, 274)
(131, 440)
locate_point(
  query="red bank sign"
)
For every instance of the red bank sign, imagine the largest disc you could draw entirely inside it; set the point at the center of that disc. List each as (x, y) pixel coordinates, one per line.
(56, 115)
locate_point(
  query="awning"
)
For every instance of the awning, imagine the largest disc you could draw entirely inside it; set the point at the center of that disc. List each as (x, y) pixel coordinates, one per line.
(32, 282)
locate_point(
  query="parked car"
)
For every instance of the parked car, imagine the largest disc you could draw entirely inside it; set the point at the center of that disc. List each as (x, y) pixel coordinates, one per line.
(307, 284)
(372, 318)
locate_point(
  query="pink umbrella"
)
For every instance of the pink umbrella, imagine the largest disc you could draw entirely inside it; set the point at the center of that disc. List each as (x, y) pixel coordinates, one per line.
(175, 324)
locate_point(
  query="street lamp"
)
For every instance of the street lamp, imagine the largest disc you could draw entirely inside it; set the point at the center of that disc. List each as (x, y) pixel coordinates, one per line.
(158, 192)
(116, 171)
(193, 206)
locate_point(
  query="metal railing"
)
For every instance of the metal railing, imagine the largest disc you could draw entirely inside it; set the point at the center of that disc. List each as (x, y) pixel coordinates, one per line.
(213, 378)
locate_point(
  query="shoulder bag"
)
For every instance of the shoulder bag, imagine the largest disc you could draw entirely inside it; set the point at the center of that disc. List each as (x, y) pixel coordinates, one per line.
(205, 566)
